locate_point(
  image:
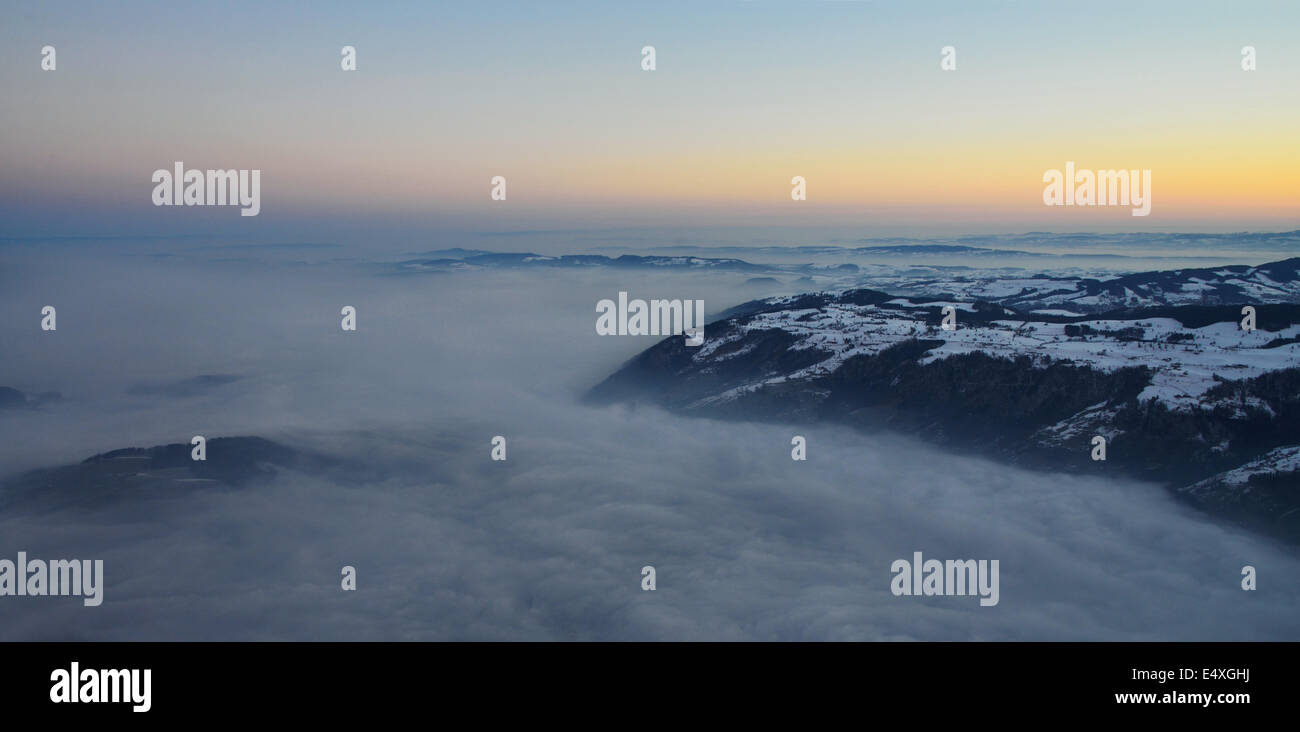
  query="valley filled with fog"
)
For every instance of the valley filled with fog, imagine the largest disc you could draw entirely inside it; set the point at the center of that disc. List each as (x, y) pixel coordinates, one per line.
(548, 544)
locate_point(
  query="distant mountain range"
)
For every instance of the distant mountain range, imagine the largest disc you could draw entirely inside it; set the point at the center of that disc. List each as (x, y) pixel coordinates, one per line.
(1156, 363)
(1029, 244)
(1070, 290)
(627, 261)
(134, 473)
(1276, 282)
(11, 398)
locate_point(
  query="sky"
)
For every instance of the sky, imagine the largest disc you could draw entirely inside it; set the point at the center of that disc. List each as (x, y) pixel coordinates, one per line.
(552, 96)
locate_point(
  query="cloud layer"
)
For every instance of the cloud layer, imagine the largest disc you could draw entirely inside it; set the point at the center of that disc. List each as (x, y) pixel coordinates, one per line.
(549, 544)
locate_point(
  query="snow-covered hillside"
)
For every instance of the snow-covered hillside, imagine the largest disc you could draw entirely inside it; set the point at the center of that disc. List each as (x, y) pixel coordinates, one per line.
(1180, 390)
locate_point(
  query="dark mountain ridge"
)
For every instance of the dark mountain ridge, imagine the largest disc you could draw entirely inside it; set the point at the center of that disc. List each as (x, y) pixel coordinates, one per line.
(1181, 394)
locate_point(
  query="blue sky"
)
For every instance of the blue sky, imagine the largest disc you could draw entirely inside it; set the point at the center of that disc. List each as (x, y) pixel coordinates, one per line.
(551, 95)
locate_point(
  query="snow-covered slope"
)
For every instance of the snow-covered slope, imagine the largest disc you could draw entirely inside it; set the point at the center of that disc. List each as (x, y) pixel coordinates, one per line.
(1275, 282)
(1183, 360)
(1059, 291)
(1181, 392)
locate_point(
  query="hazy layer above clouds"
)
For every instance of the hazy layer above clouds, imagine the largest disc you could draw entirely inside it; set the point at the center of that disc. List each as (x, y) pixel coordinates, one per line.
(549, 544)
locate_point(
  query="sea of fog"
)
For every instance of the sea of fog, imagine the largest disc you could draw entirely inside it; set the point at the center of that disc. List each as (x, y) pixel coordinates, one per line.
(550, 543)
